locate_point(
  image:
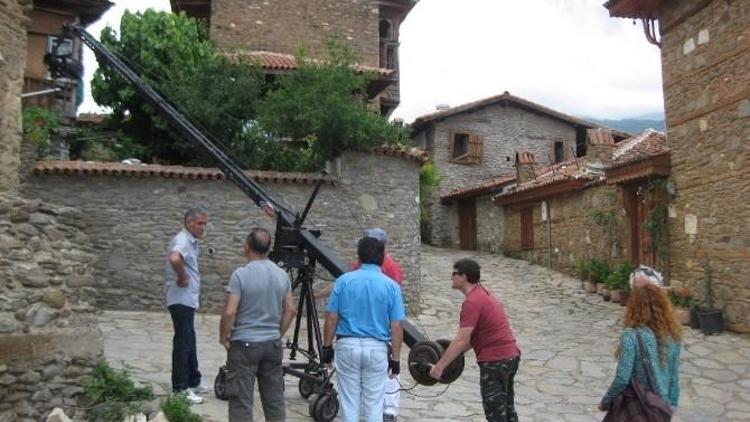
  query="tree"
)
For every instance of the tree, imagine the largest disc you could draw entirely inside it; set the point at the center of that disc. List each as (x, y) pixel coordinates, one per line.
(169, 52)
(324, 103)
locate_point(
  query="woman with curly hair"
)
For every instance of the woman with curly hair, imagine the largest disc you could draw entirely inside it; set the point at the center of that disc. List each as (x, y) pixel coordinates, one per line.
(648, 312)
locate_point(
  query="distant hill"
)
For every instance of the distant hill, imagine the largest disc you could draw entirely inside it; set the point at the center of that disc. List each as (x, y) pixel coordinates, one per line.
(634, 126)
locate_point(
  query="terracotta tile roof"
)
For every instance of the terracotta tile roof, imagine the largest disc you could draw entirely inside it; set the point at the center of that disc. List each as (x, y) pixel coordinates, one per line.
(645, 146)
(507, 98)
(88, 168)
(553, 174)
(286, 62)
(477, 190)
(414, 154)
(650, 143)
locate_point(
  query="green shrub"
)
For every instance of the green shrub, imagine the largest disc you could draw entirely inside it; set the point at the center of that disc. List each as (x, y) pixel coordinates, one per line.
(38, 126)
(620, 277)
(584, 269)
(177, 409)
(599, 271)
(113, 394)
(428, 181)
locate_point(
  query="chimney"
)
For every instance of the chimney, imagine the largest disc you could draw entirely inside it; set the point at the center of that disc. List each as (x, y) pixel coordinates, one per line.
(601, 144)
(524, 167)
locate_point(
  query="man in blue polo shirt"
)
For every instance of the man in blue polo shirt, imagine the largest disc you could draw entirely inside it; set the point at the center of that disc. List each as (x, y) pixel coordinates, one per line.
(365, 311)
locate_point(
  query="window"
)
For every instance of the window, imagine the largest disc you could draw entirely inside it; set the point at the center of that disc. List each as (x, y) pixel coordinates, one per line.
(65, 48)
(527, 228)
(390, 56)
(386, 31)
(559, 151)
(466, 148)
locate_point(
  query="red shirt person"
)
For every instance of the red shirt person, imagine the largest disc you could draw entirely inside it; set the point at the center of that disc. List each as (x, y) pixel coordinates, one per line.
(484, 326)
(389, 267)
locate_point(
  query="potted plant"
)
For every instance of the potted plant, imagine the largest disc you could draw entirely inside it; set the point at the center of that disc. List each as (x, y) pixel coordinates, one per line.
(583, 273)
(682, 299)
(599, 273)
(710, 318)
(618, 281)
(586, 270)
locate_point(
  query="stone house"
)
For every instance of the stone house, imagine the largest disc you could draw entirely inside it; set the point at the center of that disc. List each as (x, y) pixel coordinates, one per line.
(473, 147)
(592, 207)
(46, 20)
(705, 62)
(272, 31)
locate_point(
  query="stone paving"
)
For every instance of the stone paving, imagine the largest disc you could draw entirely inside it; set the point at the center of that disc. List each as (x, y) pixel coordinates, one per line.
(567, 338)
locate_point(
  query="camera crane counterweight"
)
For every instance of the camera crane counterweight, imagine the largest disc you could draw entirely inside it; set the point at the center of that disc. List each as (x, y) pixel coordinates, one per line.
(295, 247)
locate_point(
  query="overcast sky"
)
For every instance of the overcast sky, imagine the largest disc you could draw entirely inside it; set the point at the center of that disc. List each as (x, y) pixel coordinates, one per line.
(568, 55)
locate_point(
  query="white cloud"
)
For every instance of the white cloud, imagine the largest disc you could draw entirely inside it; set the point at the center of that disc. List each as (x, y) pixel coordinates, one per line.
(565, 54)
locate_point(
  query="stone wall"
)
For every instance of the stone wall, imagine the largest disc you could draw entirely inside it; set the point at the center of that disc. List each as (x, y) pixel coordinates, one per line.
(489, 225)
(12, 58)
(49, 339)
(504, 130)
(130, 221)
(284, 25)
(705, 59)
(574, 236)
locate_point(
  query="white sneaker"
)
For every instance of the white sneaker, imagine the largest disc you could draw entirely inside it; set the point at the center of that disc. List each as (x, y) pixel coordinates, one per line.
(191, 397)
(201, 389)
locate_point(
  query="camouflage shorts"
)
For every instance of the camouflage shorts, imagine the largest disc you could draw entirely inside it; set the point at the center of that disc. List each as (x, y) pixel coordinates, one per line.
(496, 385)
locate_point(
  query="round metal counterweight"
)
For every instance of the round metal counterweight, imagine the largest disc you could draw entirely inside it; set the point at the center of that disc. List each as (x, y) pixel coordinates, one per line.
(421, 357)
(455, 368)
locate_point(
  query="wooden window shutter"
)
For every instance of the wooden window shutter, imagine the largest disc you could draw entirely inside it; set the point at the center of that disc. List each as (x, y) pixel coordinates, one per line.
(475, 148)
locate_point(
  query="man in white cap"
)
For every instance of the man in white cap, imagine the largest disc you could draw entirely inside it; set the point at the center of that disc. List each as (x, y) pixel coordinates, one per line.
(393, 271)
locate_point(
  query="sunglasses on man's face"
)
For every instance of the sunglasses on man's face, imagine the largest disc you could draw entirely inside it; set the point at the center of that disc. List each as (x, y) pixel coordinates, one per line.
(455, 273)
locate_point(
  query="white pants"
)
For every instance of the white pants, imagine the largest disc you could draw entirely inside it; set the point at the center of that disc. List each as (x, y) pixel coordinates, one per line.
(392, 396)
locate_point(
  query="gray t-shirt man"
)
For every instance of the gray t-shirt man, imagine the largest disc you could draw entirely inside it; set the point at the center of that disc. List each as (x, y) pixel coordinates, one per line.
(261, 286)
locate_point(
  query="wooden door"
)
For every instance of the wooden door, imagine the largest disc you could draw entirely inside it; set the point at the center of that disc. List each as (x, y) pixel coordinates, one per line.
(467, 224)
(642, 250)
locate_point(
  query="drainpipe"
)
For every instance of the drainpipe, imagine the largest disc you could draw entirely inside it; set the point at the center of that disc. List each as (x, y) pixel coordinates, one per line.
(547, 216)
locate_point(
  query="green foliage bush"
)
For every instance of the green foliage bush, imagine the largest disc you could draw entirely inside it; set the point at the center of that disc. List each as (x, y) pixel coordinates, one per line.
(171, 54)
(321, 106)
(113, 394)
(324, 103)
(428, 181)
(177, 409)
(39, 124)
(599, 271)
(620, 277)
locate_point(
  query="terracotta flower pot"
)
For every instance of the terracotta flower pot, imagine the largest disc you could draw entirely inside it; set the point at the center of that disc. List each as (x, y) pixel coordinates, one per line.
(682, 315)
(600, 287)
(590, 287)
(615, 295)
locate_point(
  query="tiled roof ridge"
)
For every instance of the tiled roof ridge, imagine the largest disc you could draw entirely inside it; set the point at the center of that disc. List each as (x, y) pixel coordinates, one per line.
(497, 98)
(629, 144)
(497, 181)
(651, 143)
(285, 61)
(90, 168)
(415, 154)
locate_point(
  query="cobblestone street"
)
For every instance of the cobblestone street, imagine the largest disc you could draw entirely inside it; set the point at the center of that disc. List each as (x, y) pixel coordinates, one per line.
(567, 339)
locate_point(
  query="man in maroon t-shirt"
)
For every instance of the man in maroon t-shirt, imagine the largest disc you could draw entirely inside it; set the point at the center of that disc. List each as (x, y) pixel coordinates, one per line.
(484, 326)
